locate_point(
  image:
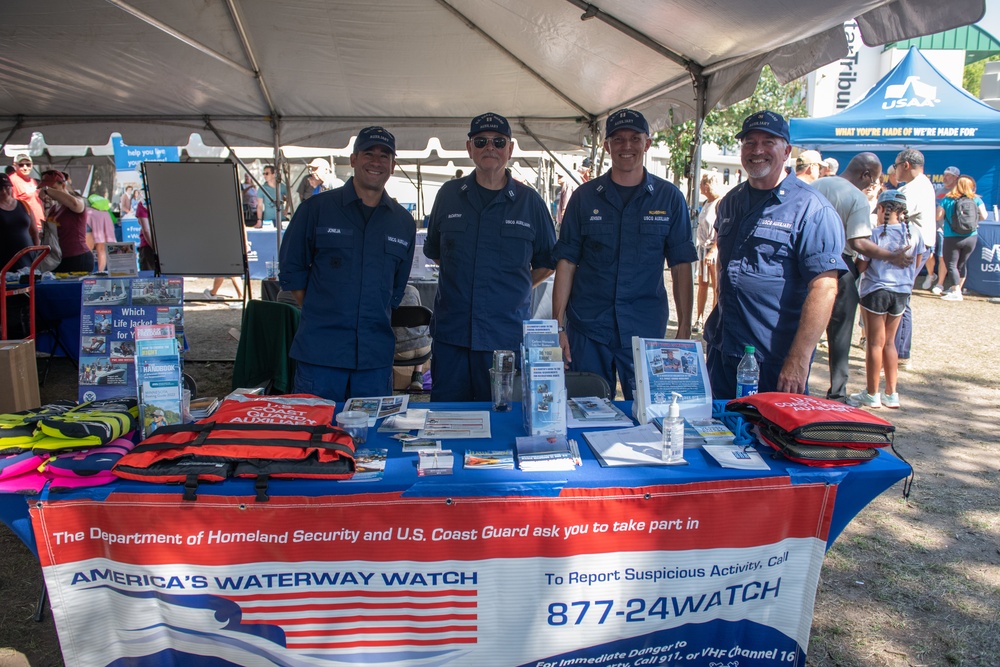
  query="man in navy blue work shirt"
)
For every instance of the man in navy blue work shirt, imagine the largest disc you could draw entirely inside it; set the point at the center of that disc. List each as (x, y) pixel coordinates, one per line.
(493, 239)
(616, 232)
(345, 258)
(780, 245)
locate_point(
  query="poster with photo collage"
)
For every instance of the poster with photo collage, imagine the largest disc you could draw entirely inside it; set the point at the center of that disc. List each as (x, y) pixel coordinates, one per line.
(110, 310)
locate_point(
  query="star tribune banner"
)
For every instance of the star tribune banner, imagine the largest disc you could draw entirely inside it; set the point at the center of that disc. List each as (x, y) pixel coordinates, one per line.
(699, 575)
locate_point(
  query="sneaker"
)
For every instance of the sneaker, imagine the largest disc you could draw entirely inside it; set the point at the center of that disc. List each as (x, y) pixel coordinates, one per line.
(863, 399)
(904, 364)
(697, 327)
(211, 297)
(928, 281)
(951, 296)
(890, 400)
(937, 289)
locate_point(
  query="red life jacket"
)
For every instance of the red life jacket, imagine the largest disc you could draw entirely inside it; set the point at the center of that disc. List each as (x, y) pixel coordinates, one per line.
(248, 436)
(814, 431)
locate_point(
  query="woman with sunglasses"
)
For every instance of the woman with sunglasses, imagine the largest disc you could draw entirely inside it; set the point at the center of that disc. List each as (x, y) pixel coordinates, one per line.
(69, 212)
(17, 229)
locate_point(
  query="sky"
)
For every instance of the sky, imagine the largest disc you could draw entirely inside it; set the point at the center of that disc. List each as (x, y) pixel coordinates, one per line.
(991, 21)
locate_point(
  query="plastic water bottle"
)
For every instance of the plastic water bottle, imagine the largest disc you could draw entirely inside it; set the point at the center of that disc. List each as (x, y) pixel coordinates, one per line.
(747, 373)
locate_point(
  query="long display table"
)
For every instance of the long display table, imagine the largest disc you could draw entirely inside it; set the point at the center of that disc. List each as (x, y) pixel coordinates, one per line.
(691, 565)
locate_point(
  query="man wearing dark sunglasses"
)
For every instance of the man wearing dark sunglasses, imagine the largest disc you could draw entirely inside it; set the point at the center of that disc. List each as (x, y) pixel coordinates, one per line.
(617, 231)
(345, 258)
(493, 239)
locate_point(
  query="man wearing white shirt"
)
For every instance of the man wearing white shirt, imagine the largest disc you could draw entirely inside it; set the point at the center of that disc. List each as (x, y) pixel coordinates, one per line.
(921, 210)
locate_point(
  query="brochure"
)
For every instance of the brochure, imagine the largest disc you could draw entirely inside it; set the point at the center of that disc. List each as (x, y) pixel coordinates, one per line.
(663, 367)
(158, 377)
(576, 418)
(415, 444)
(122, 261)
(411, 420)
(378, 406)
(459, 424)
(545, 452)
(492, 459)
(369, 465)
(436, 462)
(735, 456)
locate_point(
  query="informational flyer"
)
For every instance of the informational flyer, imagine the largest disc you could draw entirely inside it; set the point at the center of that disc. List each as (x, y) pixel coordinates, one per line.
(663, 367)
(158, 376)
(111, 308)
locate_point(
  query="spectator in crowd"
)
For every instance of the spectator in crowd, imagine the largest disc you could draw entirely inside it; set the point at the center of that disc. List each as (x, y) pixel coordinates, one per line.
(885, 288)
(146, 250)
(808, 166)
(958, 245)
(492, 237)
(585, 170)
(345, 258)
(268, 196)
(26, 189)
(249, 194)
(780, 245)
(69, 211)
(934, 280)
(17, 226)
(848, 195)
(618, 230)
(565, 190)
(922, 212)
(829, 167)
(458, 174)
(711, 189)
(321, 178)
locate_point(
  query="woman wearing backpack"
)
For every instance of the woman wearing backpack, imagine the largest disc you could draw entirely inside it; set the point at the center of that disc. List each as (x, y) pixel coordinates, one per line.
(961, 209)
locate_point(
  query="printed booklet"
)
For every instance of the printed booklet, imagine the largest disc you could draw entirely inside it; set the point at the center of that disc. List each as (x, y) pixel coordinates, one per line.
(666, 366)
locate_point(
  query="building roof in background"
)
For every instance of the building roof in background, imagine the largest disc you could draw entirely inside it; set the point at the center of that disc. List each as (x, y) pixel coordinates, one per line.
(976, 42)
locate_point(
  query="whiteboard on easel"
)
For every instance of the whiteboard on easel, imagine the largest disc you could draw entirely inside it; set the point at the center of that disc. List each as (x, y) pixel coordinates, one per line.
(196, 216)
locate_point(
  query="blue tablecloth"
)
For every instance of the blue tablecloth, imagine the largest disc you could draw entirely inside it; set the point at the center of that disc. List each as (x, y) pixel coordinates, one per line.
(856, 485)
(984, 265)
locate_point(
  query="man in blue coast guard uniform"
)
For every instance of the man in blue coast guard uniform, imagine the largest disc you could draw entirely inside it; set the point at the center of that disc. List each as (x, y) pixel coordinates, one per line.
(493, 239)
(780, 245)
(615, 235)
(345, 258)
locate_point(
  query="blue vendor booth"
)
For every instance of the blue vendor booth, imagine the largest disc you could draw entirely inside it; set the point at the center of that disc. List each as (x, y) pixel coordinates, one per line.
(914, 106)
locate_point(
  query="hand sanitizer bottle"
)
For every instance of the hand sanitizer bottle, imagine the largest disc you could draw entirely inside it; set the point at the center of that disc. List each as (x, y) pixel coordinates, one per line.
(673, 433)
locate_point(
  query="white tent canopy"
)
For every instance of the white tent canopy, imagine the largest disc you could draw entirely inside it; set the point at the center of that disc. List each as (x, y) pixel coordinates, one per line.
(312, 72)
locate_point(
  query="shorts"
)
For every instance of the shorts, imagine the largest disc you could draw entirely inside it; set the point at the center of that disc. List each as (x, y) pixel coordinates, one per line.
(939, 244)
(884, 302)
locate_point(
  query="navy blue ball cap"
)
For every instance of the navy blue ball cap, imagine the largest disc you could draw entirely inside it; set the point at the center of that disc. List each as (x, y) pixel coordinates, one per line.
(375, 136)
(625, 119)
(766, 121)
(893, 196)
(489, 122)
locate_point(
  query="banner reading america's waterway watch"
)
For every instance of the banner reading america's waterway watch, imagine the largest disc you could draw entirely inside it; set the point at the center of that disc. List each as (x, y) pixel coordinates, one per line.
(699, 575)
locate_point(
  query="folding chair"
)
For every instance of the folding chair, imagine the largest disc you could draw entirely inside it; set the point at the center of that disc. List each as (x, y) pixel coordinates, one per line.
(410, 317)
(266, 338)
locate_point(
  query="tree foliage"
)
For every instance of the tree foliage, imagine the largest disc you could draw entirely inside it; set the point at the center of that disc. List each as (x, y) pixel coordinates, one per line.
(722, 124)
(972, 76)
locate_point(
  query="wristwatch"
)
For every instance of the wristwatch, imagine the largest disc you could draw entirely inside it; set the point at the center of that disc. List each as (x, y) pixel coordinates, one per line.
(560, 328)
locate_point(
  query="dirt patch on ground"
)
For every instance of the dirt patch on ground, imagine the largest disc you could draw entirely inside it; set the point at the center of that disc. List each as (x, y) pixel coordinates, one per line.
(908, 583)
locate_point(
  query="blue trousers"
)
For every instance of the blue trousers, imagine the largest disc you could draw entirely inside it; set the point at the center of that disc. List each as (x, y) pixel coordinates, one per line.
(340, 384)
(592, 357)
(904, 333)
(722, 374)
(460, 373)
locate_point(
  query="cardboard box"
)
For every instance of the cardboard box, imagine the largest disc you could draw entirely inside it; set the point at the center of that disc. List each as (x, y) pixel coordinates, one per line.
(18, 376)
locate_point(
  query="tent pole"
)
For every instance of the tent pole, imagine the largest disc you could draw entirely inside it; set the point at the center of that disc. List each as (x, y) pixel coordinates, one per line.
(546, 149)
(700, 83)
(420, 193)
(278, 205)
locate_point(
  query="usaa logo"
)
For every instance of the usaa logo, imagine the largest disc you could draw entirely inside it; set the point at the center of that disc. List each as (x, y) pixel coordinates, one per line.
(991, 259)
(911, 93)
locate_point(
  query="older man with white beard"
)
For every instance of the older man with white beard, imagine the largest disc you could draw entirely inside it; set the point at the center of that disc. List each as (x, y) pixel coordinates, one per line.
(780, 245)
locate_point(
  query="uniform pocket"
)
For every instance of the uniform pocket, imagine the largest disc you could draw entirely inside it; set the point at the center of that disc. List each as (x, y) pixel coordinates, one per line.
(335, 247)
(599, 241)
(516, 244)
(773, 249)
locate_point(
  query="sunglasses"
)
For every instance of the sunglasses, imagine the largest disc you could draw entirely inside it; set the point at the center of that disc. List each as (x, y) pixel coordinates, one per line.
(498, 142)
(22, 165)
